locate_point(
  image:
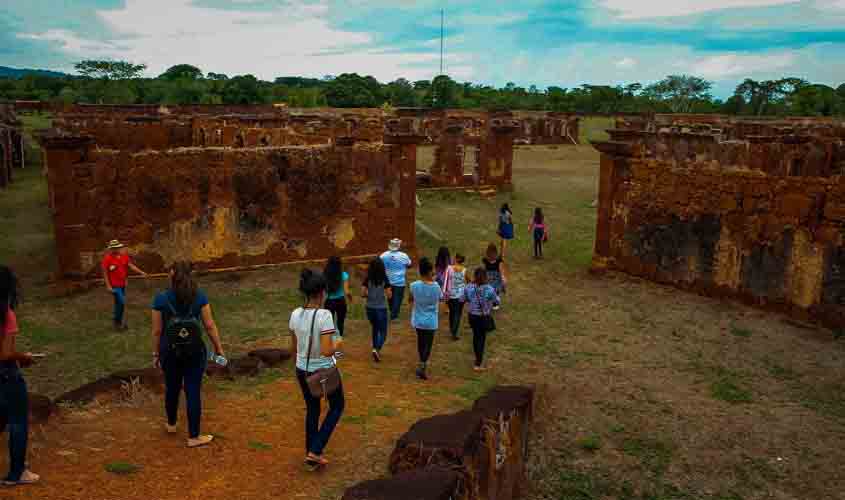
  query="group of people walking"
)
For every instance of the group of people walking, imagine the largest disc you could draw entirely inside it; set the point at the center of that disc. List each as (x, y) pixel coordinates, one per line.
(182, 316)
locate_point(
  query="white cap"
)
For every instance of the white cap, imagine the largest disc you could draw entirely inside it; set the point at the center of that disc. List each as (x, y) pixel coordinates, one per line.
(395, 244)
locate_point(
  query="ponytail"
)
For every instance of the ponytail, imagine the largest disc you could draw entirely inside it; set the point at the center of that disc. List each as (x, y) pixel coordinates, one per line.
(182, 283)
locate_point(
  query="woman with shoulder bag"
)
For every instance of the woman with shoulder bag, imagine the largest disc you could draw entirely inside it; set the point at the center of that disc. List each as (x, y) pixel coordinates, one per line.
(180, 315)
(314, 342)
(481, 298)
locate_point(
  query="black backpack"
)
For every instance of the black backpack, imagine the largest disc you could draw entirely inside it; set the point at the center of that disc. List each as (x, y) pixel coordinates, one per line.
(184, 333)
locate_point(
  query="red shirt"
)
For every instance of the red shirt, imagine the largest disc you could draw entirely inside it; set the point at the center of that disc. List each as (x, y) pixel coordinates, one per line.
(11, 326)
(116, 268)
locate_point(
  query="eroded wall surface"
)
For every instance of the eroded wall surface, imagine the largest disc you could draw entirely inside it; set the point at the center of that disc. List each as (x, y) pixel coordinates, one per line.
(226, 207)
(11, 144)
(761, 220)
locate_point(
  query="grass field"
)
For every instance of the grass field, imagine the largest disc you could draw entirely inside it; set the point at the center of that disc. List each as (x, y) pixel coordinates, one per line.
(643, 392)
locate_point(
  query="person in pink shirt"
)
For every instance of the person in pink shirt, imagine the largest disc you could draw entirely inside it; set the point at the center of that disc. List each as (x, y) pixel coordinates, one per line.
(14, 399)
(540, 230)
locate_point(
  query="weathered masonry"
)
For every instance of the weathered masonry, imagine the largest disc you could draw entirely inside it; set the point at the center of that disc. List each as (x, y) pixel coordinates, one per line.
(225, 207)
(11, 144)
(748, 209)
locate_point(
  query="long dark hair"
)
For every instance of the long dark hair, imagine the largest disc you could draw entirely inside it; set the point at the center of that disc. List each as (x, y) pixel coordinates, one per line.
(479, 276)
(376, 273)
(492, 252)
(311, 283)
(444, 259)
(538, 215)
(9, 293)
(505, 208)
(182, 283)
(333, 273)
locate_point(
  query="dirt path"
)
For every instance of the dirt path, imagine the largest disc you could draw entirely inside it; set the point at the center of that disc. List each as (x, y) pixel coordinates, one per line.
(259, 450)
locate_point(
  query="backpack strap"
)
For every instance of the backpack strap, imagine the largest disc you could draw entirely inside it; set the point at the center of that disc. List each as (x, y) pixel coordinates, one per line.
(310, 339)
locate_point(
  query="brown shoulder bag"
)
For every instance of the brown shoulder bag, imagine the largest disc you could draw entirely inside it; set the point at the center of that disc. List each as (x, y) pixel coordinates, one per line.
(324, 382)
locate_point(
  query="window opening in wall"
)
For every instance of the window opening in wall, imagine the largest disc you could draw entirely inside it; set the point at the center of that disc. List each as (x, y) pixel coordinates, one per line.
(470, 162)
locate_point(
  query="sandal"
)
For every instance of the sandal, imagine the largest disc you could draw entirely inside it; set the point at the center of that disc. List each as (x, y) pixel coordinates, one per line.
(314, 458)
(28, 477)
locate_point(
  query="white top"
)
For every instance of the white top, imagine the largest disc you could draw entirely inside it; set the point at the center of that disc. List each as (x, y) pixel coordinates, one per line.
(300, 326)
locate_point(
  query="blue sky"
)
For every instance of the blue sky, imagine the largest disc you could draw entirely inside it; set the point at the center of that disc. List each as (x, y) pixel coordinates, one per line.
(542, 42)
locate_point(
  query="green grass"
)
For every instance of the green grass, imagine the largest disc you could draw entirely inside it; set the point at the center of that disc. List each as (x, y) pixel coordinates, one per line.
(593, 128)
(383, 411)
(572, 485)
(654, 454)
(259, 446)
(741, 332)
(728, 389)
(590, 443)
(121, 468)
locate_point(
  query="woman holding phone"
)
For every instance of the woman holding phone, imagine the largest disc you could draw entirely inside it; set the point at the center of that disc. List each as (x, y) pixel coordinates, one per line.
(14, 402)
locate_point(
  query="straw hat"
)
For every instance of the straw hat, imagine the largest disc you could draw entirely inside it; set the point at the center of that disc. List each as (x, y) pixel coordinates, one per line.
(395, 244)
(114, 244)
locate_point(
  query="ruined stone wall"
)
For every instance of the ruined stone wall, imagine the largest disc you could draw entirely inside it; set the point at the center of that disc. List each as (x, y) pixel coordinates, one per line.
(224, 207)
(490, 154)
(759, 220)
(121, 131)
(11, 144)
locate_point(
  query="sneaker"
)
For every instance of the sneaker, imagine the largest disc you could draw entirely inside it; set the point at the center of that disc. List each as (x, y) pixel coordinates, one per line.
(171, 429)
(200, 441)
(28, 477)
(421, 373)
(376, 356)
(496, 308)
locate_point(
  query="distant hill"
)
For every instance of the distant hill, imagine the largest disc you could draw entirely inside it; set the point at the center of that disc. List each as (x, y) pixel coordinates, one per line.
(6, 72)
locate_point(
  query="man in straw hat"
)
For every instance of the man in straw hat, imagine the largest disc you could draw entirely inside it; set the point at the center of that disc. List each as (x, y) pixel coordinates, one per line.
(396, 263)
(116, 265)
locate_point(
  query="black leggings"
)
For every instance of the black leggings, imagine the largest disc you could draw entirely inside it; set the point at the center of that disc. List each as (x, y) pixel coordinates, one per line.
(425, 341)
(479, 337)
(539, 234)
(456, 309)
(338, 310)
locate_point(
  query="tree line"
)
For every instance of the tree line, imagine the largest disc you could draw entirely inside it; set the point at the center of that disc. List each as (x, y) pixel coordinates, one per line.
(119, 82)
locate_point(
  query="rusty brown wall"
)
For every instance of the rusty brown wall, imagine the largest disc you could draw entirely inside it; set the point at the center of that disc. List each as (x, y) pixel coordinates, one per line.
(762, 222)
(123, 132)
(223, 207)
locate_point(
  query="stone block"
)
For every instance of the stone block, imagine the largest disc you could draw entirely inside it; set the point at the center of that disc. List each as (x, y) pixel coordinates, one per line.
(418, 484)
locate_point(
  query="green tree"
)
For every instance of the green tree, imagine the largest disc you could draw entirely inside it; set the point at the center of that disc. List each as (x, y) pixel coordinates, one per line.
(401, 93)
(242, 89)
(351, 90)
(760, 96)
(109, 70)
(182, 72)
(817, 100)
(216, 76)
(442, 93)
(680, 91)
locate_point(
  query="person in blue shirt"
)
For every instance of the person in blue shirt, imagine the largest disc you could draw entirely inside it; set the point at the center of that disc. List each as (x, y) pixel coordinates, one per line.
(396, 263)
(337, 295)
(183, 367)
(425, 297)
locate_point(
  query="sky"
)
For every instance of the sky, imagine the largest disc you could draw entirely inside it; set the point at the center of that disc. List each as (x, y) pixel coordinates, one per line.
(529, 42)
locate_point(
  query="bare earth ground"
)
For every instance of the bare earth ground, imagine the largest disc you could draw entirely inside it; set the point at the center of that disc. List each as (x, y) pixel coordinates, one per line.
(644, 392)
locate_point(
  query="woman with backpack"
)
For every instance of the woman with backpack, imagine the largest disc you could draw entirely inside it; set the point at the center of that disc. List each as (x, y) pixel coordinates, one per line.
(456, 279)
(481, 298)
(377, 292)
(314, 343)
(180, 314)
(337, 296)
(14, 399)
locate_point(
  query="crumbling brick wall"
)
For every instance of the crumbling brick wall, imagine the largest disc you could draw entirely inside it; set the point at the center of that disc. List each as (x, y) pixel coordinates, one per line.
(225, 207)
(11, 144)
(761, 220)
(489, 154)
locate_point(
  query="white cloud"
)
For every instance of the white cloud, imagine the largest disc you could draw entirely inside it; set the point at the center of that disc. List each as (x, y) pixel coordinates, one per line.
(741, 65)
(637, 9)
(296, 39)
(626, 63)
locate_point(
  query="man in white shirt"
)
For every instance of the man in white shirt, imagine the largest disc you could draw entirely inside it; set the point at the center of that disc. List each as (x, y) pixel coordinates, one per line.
(396, 263)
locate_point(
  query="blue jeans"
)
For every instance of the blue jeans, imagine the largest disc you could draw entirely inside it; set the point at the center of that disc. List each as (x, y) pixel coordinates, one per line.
(396, 301)
(14, 406)
(119, 304)
(378, 319)
(184, 373)
(317, 436)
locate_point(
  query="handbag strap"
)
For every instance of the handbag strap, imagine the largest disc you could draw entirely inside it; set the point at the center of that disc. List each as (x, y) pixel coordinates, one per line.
(310, 340)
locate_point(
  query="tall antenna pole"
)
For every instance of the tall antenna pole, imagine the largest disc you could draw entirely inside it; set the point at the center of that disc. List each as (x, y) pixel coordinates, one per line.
(442, 35)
